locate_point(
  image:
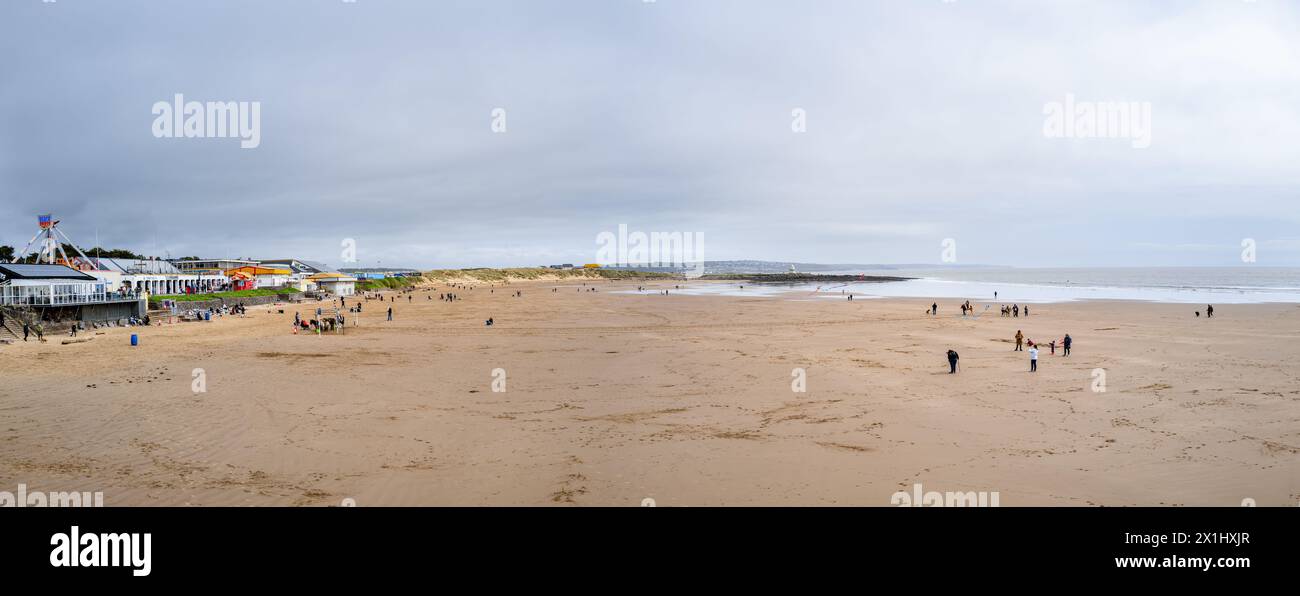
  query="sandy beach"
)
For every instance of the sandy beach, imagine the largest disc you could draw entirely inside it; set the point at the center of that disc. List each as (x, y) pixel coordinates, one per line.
(612, 398)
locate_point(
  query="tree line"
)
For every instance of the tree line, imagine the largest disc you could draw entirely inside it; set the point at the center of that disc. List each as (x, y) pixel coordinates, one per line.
(7, 253)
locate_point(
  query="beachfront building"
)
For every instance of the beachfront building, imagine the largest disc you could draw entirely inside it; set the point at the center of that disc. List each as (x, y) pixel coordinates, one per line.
(296, 265)
(262, 277)
(376, 273)
(61, 293)
(217, 266)
(337, 284)
(366, 274)
(302, 272)
(155, 276)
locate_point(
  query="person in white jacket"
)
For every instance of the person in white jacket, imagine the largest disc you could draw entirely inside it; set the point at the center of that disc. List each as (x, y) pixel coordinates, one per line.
(1033, 358)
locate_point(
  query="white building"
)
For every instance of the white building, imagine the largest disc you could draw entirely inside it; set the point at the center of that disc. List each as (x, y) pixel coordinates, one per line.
(133, 276)
(48, 285)
(57, 293)
(210, 265)
(336, 284)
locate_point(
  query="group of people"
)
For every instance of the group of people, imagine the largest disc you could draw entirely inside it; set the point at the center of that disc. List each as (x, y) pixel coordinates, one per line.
(29, 329)
(1066, 344)
(1014, 310)
(319, 324)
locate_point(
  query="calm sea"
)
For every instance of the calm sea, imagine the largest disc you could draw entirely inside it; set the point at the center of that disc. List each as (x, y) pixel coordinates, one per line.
(1192, 285)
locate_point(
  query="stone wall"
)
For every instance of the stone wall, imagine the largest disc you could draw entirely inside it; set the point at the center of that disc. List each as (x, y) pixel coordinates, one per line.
(219, 302)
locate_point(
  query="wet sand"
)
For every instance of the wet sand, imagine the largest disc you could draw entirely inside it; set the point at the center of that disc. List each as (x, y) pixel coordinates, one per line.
(614, 398)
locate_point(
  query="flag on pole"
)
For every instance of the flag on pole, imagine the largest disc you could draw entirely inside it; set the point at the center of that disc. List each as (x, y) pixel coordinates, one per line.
(45, 220)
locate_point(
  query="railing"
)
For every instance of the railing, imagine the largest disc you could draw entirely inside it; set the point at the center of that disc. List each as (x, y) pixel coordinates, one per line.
(8, 296)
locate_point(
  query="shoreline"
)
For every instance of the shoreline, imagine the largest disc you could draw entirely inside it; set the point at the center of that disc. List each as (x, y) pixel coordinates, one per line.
(981, 292)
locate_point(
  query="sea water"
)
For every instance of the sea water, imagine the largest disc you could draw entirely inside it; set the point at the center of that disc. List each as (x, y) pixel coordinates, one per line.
(1189, 285)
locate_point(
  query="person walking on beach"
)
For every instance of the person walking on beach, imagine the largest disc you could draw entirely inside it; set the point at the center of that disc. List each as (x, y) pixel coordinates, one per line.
(1026, 310)
(995, 296)
(1209, 311)
(1020, 341)
(934, 308)
(1053, 346)
(952, 362)
(390, 313)
(26, 330)
(1065, 344)
(1033, 358)
(1015, 310)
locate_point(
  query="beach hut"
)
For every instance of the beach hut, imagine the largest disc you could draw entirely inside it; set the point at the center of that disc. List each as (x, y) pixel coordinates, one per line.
(263, 277)
(240, 281)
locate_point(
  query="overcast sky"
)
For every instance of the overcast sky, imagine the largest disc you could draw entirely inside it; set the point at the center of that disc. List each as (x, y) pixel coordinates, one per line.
(924, 121)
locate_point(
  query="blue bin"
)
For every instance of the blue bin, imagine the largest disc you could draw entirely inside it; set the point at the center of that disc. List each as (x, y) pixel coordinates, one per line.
(135, 339)
(207, 316)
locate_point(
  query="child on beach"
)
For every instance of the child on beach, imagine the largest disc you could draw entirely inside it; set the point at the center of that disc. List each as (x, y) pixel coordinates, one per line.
(1033, 359)
(1020, 341)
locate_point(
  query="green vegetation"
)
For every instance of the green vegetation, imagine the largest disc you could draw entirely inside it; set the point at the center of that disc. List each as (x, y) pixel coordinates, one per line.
(71, 251)
(388, 283)
(224, 295)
